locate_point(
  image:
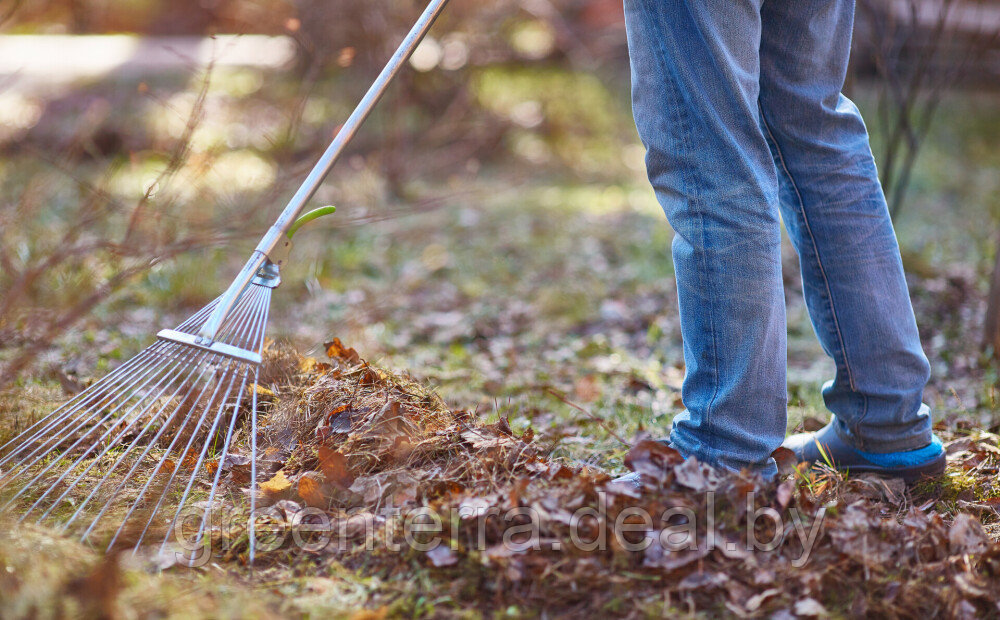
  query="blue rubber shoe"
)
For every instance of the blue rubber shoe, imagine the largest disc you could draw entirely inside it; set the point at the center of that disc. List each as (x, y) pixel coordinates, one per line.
(911, 465)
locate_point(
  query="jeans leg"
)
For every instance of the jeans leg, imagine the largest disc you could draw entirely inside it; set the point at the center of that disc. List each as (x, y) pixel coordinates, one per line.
(695, 77)
(836, 215)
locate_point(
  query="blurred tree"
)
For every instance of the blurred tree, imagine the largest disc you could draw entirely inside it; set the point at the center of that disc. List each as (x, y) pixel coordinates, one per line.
(919, 49)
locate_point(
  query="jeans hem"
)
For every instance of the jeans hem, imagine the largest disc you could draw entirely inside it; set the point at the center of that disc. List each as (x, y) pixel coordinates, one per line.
(884, 446)
(768, 469)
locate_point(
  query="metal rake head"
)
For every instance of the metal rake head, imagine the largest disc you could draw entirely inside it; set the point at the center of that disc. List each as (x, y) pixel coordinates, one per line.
(139, 452)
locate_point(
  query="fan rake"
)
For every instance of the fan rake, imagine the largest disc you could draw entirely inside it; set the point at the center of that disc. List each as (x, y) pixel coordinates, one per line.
(141, 451)
(149, 433)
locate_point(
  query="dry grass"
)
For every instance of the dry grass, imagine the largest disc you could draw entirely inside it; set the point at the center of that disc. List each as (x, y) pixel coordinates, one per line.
(360, 444)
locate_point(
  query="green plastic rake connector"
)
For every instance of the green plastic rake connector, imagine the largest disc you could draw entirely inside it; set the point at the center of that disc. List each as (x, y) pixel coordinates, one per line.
(305, 218)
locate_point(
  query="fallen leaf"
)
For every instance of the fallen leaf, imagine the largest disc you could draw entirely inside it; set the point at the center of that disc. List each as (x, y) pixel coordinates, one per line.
(362, 523)
(335, 349)
(558, 471)
(311, 490)
(586, 389)
(276, 485)
(339, 419)
(483, 439)
(785, 460)
(263, 392)
(473, 507)
(168, 466)
(289, 507)
(784, 493)
(652, 458)
(702, 581)
(691, 474)
(235, 460)
(810, 608)
(371, 614)
(442, 555)
(967, 535)
(656, 556)
(754, 602)
(812, 424)
(333, 464)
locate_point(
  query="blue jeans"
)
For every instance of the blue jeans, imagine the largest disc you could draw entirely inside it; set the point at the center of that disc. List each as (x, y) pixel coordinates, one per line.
(739, 106)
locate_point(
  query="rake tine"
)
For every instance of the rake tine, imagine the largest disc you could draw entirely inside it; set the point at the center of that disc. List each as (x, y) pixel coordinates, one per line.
(194, 473)
(204, 451)
(187, 448)
(159, 466)
(220, 377)
(125, 395)
(253, 464)
(149, 446)
(92, 447)
(152, 442)
(148, 367)
(257, 329)
(92, 397)
(132, 389)
(106, 382)
(253, 449)
(114, 443)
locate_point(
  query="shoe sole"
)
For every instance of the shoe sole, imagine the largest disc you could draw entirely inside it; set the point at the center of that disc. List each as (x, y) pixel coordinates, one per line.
(909, 475)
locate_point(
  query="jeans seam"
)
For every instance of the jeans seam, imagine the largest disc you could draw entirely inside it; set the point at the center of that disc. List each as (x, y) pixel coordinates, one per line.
(819, 262)
(693, 200)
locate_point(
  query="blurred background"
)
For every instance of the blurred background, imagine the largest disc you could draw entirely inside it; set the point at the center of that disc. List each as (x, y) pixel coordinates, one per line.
(495, 234)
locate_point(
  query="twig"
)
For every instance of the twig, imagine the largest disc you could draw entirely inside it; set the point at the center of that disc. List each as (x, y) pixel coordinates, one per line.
(600, 421)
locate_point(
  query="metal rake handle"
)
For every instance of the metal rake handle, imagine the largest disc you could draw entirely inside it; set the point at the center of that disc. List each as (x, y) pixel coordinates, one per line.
(275, 240)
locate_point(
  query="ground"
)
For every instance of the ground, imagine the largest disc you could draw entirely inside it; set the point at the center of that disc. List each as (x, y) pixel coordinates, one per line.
(531, 285)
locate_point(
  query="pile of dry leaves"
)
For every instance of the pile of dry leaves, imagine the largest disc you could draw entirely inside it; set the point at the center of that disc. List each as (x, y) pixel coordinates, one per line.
(390, 470)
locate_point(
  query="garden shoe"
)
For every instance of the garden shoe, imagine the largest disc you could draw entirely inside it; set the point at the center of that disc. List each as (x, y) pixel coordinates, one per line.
(910, 465)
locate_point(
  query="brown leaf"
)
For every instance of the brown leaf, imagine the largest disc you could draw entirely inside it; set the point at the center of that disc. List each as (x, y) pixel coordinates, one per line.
(359, 524)
(812, 424)
(235, 460)
(335, 349)
(288, 507)
(473, 507)
(311, 490)
(333, 464)
(967, 535)
(692, 475)
(652, 458)
(785, 459)
(558, 471)
(442, 555)
(755, 601)
(586, 389)
(702, 581)
(656, 556)
(484, 438)
(339, 419)
(277, 485)
(810, 608)
(371, 614)
(784, 494)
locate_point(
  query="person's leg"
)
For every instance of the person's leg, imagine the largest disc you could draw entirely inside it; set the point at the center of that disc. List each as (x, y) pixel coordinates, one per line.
(694, 93)
(836, 215)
